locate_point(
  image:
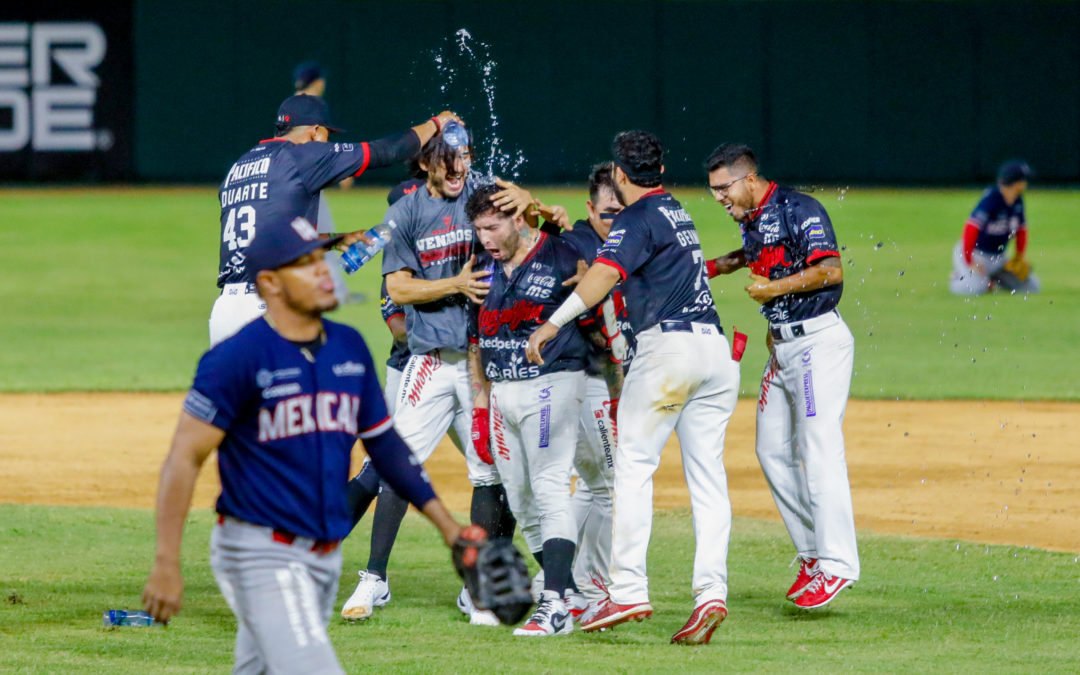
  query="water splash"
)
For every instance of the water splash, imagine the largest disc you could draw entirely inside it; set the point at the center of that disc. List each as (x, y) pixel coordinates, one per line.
(465, 65)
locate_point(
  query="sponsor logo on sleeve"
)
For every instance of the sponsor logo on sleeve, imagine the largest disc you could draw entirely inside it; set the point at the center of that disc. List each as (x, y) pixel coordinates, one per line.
(348, 368)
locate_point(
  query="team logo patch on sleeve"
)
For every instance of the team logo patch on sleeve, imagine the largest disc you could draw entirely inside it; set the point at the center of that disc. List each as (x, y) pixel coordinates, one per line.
(200, 407)
(614, 238)
(813, 228)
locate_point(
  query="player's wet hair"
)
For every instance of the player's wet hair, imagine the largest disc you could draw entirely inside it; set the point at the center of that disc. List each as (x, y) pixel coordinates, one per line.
(640, 155)
(438, 151)
(600, 178)
(730, 154)
(480, 203)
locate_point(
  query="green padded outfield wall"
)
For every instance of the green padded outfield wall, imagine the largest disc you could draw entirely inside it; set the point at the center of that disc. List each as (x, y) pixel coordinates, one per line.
(870, 92)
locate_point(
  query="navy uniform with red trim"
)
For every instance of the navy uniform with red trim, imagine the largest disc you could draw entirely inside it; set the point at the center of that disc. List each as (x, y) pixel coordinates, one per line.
(682, 379)
(804, 387)
(274, 182)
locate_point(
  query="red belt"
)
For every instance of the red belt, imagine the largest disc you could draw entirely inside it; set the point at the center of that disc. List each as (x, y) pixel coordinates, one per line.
(320, 546)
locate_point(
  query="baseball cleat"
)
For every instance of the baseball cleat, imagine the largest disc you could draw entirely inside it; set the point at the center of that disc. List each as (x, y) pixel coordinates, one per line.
(477, 617)
(821, 591)
(612, 614)
(550, 618)
(576, 603)
(703, 621)
(807, 570)
(372, 591)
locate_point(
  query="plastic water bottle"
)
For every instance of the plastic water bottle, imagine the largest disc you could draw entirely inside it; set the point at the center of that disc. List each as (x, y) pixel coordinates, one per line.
(455, 135)
(112, 618)
(359, 253)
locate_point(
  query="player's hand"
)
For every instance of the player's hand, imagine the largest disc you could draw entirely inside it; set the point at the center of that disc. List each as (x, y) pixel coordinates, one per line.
(537, 340)
(163, 591)
(760, 288)
(481, 434)
(558, 215)
(446, 116)
(512, 199)
(582, 268)
(468, 282)
(353, 237)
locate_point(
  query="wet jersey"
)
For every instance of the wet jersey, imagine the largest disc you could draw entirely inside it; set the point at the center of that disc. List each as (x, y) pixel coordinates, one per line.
(654, 246)
(996, 221)
(277, 181)
(434, 239)
(587, 242)
(399, 351)
(791, 232)
(517, 304)
(290, 424)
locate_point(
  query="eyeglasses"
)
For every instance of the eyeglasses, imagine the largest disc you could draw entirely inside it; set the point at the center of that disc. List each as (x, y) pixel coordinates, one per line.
(722, 189)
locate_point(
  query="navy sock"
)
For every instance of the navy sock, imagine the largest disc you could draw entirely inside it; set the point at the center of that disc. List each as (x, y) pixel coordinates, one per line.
(389, 511)
(557, 559)
(491, 511)
(361, 491)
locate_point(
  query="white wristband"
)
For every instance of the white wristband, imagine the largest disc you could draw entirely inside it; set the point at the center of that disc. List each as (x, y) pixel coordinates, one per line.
(572, 308)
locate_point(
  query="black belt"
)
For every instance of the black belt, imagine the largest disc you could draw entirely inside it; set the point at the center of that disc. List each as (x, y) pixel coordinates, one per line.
(248, 288)
(797, 330)
(683, 327)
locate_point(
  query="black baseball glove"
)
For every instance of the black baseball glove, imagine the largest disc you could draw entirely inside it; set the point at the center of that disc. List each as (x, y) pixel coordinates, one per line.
(494, 573)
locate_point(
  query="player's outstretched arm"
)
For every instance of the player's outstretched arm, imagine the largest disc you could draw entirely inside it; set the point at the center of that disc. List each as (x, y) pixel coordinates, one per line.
(405, 289)
(192, 443)
(592, 288)
(726, 264)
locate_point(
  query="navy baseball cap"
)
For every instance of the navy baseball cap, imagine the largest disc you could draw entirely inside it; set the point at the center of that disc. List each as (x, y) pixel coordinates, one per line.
(304, 109)
(277, 246)
(1014, 172)
(306, 73)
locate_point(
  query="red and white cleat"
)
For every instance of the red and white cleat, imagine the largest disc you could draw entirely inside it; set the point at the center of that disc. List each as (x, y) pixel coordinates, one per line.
(807, 570)
(821, 591)
(612, 614)
(704, 620)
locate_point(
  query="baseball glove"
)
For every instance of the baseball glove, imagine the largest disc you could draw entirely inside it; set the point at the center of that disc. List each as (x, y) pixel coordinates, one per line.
(495, 574)
(1019, 268)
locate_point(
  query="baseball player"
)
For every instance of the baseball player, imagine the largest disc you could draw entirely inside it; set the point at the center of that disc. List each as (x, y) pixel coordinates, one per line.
(594, 459)
(280, 179)
(682, 378)
(534, 409)
(979, 261)
(283, 401)
(428, 266)
(790, 247)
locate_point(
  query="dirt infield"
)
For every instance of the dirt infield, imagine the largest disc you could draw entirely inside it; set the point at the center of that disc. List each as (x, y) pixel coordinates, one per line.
(996, 472)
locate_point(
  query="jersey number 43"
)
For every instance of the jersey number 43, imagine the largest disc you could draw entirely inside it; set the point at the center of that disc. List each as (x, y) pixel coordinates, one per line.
(244, 218)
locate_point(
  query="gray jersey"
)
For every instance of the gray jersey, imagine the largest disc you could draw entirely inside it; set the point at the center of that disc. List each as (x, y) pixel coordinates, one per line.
(434, 239)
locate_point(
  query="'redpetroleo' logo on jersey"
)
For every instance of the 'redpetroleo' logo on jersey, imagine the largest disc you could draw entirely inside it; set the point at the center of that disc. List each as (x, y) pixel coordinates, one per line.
(48, 86)
(306, 414)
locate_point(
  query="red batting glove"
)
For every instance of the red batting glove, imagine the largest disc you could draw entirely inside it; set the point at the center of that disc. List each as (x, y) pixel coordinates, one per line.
(481, 432)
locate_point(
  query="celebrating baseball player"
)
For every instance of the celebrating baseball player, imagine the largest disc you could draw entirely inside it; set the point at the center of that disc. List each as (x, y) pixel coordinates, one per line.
(594, 459)
(280, 179)
(534, 409)
(283, 401)
(682, 378)
(979, 261)
(795, 273)
(428, 266)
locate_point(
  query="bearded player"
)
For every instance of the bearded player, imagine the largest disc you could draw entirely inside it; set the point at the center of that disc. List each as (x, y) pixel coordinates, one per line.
(790, 247)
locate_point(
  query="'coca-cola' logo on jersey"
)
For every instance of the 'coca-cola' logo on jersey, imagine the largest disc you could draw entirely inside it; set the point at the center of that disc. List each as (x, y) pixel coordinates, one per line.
(514, 316)
(770, 257)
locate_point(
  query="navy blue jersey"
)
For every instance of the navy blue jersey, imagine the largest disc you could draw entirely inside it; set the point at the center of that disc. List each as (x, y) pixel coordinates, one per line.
(654, 246)
(996, 221)
(791, 232)
(290, 425)
(587, 243)
(278, 181)
(405, 187)
(399, 351)
(517, 304)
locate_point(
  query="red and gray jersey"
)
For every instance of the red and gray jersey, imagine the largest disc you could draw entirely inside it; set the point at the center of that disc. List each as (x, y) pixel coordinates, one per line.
(517, 304)
(655, 247)
(278, 181)
(434, 239)
(790, 232)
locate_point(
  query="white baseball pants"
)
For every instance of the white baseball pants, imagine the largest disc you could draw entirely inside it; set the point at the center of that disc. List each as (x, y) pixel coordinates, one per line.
(800, 442)
(534, 430)
(234, 309)
(434, 397)
(966, 281)
(594, 460)
(686, 382)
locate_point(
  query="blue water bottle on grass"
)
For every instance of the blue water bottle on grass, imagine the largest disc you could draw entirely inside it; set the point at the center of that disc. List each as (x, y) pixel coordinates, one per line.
(359, 253)
(113, 618)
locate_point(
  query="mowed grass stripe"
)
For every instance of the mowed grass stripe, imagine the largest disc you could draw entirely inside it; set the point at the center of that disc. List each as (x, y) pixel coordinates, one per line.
(922, 605)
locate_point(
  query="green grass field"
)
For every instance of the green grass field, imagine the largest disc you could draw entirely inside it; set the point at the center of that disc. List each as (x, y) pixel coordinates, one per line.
(926, 605)
(111, 290)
